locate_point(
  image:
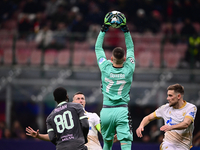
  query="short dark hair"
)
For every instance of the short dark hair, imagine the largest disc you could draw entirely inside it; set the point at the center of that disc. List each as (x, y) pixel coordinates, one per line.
(118, 53)
(177, 88)
(78, 93)
(60, 94)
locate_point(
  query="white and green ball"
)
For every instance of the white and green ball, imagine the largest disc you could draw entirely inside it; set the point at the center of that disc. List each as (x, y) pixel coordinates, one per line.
(115, 19)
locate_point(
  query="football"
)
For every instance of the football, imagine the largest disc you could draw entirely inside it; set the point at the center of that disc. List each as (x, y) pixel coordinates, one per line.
(115, 21)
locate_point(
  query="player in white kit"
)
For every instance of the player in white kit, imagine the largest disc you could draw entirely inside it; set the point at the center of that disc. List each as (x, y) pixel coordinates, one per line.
(178, 117)
(94, 124)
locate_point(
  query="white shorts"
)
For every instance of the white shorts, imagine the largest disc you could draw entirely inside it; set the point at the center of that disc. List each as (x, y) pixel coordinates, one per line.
(169, 146)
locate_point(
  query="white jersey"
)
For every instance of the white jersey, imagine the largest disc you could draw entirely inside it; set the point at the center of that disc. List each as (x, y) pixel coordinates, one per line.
(174, 116)
(93, 141)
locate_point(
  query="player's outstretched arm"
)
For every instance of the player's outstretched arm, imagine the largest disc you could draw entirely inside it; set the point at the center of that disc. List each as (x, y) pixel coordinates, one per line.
(107, 22)
(100, 54)
(145, 121)
(183, 125)
(128, 39)
(36, 134)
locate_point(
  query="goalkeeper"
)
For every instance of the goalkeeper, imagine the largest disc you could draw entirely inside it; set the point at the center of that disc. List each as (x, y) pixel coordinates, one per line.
(116, 78)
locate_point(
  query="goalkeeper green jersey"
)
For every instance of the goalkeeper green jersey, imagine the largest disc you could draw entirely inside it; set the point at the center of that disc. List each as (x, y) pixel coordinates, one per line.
(116, 82)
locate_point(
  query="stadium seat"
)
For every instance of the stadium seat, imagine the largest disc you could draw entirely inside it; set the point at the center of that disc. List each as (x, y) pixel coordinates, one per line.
(10, 24)
(63, 57)
(8, 57)
(1, 56)
(5, 35)
(136, 38)
(140, 47)
(169, 47)
(156, 59)
(81, 46)
(90, 59)
(32, 45)
(144, 59)
(154, 47)
(172, 59)
(182, 48)
(147, 38)
(158, 38)
(50, 57)
(78, 58)
(21, 44)
(6, 44)
(23, 56)
(36, 57)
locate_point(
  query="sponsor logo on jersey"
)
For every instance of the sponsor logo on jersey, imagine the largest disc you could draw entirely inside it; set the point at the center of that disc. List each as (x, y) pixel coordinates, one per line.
(67, 137)
(169, 122)
(101, 60)
(132, 61)
(112, 75)
(191, 114)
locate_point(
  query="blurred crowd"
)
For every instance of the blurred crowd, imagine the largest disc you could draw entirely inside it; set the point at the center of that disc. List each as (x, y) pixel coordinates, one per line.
(16, 131)
(53, 23)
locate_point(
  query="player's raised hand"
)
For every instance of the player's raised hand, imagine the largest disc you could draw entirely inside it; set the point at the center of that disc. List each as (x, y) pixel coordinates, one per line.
(107, 22)
(122, 19)
(107, 19)
(139, 131)
(31, 132)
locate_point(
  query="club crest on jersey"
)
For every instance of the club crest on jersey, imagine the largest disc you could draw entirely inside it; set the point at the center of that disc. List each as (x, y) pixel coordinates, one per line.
(101, 60)
(132, 61)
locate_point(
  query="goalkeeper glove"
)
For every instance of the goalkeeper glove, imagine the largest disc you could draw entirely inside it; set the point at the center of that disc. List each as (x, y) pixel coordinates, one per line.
(122, 19)
(104, 28)
(124, 28)
(107, 22)
(123, 25)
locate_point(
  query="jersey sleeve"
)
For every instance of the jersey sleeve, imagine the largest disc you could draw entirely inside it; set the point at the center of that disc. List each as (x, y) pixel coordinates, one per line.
(96, 119)
(50, 130)
(158, 113)
(191, 113)
(100, 54)
(83, 121)
(130, 57)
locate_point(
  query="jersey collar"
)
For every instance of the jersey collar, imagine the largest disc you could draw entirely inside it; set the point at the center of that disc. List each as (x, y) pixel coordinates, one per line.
(182, 105)
(62, 103)
(118, 67)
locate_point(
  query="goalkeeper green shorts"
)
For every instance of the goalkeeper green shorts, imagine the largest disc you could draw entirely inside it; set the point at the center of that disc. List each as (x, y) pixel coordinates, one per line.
(115, 120)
